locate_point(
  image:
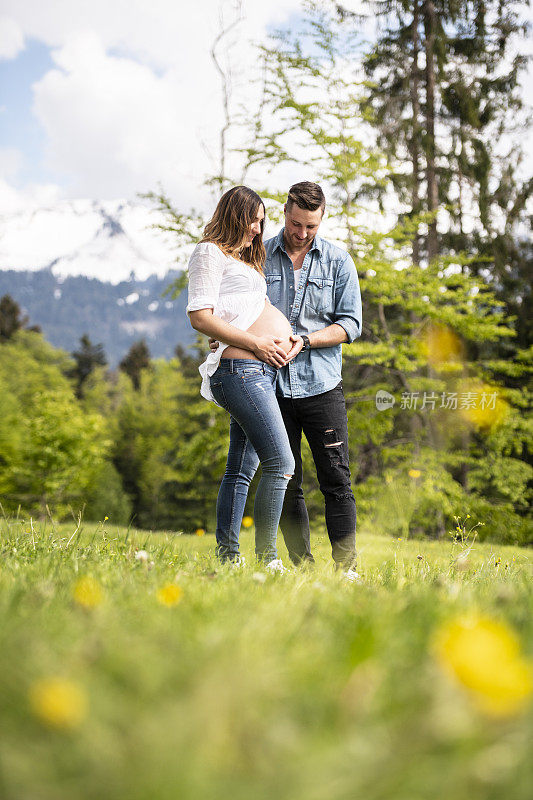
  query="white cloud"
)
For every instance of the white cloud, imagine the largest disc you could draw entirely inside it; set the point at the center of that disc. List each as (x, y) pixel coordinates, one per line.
(11, 38)
(31, 195)
(113, 126)
(11, 161)
(135, 99)
(164, 32)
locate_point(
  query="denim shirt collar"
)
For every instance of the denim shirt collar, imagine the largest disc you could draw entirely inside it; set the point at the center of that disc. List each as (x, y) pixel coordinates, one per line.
(317, 244)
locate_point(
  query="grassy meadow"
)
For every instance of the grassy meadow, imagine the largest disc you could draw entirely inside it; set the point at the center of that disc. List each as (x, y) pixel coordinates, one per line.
(135, 666)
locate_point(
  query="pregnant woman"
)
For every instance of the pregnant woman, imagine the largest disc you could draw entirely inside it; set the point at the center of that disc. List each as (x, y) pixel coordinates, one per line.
(228, 302)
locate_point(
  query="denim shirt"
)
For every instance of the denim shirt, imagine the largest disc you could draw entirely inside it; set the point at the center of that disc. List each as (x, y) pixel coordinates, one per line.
(328, 292)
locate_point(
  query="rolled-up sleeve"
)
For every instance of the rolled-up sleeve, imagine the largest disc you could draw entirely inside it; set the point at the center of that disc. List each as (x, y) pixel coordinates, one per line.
(348, 310)
(206, 266)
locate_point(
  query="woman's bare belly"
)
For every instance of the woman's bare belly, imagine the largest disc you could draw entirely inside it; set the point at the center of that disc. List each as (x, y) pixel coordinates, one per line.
(270, 322)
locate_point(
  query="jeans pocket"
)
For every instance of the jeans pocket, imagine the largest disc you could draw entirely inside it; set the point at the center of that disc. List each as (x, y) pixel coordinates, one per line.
(217, 390)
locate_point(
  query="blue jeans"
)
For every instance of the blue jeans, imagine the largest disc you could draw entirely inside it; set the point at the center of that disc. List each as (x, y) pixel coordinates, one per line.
(246, 389)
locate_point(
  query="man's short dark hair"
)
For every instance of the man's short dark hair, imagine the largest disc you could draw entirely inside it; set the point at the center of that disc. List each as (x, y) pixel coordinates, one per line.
(306, 195)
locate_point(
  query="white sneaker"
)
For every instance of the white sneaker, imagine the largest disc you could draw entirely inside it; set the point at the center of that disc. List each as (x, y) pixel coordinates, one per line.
(276, 565)
(240, 561)
(351, 576)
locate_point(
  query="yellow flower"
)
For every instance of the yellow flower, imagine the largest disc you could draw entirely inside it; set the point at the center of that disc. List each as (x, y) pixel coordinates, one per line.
(58, 703)
(105, 519)
(169, 595)
(484, 656)
(247, 522)
(414, 473)
(199, 532)
(88, 593)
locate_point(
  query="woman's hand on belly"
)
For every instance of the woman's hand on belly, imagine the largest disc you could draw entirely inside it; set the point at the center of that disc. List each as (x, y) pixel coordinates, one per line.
(269, 339)
(271, 332)
(269, 350)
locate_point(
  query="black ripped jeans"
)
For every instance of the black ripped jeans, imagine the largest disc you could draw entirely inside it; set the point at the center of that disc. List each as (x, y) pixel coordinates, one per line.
(322, 419)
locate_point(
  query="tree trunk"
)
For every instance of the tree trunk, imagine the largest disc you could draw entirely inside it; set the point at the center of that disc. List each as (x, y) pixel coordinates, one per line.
(414, 147)
(431, 177)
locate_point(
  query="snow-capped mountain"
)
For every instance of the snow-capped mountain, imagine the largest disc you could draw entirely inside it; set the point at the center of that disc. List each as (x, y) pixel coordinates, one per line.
(107, 240)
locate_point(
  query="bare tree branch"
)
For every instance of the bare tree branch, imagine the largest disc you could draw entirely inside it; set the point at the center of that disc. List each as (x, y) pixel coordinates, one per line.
(224, 73)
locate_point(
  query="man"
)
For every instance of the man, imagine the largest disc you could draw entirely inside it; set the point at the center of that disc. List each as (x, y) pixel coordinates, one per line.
(314, 283)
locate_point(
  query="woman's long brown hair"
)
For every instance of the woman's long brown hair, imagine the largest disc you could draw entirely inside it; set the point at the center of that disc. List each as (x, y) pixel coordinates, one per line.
(229, 227)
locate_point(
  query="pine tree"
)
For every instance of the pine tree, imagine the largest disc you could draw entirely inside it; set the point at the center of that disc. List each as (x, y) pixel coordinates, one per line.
(11, 319)
(445, 89)
(431, 326)
(135, 361)
(87, 358)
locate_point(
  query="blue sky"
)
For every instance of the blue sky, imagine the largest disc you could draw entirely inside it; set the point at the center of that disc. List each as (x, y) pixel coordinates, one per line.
(102, 102)
(19, 129)
(109, 98)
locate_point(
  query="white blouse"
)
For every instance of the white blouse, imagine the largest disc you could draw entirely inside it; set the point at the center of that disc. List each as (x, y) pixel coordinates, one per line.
(235, 291)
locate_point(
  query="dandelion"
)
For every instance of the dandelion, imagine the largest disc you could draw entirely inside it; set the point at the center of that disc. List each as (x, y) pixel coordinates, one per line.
(105, 519)
(141, 555)
(58, 703)
(414, 473)
(259, 577)
(247, 522)
(169, 595)
(88, 592)
(199, 532)
(484, 656)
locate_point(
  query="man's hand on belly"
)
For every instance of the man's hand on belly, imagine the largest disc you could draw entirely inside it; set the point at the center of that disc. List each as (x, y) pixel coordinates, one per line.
(297, 344)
